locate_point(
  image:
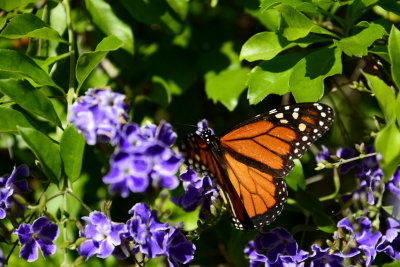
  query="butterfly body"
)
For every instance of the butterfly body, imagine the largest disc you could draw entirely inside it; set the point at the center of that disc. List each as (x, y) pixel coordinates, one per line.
(250, 161)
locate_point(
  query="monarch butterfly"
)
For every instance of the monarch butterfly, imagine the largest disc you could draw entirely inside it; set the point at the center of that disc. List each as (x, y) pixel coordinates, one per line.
(250, 161)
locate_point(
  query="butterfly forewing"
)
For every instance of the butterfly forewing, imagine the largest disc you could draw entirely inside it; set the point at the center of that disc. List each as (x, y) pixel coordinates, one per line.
(251, 159)
(270, 141)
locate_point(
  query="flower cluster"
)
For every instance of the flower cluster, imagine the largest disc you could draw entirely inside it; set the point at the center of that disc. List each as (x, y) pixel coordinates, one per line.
(41, 234)
(142, 233)
(361, 240)
(275, 248)
(8, 185)
(198, 192)
(369, 175)
(102, 235)
(99, 114)
(143, 158)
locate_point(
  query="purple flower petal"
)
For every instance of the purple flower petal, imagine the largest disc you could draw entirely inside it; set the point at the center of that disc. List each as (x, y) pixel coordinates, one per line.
(88, 248)
(47, 248)
(29, 251)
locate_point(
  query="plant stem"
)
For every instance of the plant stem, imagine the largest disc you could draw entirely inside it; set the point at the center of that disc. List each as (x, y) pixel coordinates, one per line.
(79, 200)
(71, 39)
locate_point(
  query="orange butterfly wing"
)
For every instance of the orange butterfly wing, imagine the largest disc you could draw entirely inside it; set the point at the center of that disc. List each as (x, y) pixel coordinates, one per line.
(250, 160)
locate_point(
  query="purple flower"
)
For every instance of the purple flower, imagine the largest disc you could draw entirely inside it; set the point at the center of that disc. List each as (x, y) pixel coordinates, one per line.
(8, 185)
(41, 233)
(346, 153)
(147, 231)
(102, 236)
(362, 234)
(360, 195)
(143, 158)
(275, 247)
(324, 155)
(198, 191)
(99, 114)
(177, 249)
(390, 242)
(322, 257)
(394, 183)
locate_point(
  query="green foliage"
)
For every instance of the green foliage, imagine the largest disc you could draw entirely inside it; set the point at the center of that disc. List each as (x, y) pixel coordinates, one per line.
(88, 61)
(30, 98)
(28, 25)
(182, 61)
(46, 151)
(109, 23)
(72, 145)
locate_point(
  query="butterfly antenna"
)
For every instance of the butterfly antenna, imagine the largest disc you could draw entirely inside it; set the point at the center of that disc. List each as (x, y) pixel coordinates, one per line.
(185, 124)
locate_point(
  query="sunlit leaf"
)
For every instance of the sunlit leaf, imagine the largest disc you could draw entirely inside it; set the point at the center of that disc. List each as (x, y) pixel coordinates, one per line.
(105, 18)
(306, 81)
(386, 143)
(357, 45)
(30, 98)
(297, 25)
(89, 60)
(18, 63)
(10, 119)
(30, 26)
(227, 86)
(266, 45)
(383, 94)
(394, 54)
(72, 145)
(14, 4)
(271, 77)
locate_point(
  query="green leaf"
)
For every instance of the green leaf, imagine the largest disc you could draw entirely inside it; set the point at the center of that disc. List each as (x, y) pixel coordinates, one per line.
(160, 92)
(10, 119)
(227, 86)
(383, 94)
(271, 18)
(11, 5)
(21, 65)
(157, 12)
(30, 98)
(180, 7)
(271, 77)
(306, 81)
(386, 143)
(45, 62)
(72, 145)
(104, 17)
(392, 264)
(382, 51)
(296, 25)
(390, 5)
(89, 60)
(266, 45)
(30, 26)
(394, 54)
(263, 46)
(397, 109)
(267, 4)
(357, 45)
(295, 179)
(46, 150)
